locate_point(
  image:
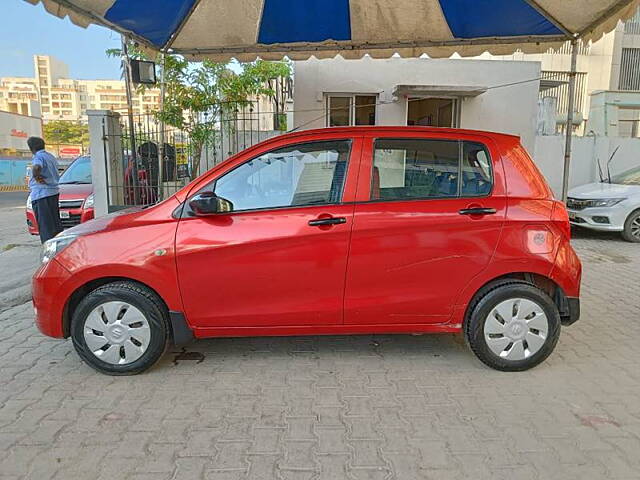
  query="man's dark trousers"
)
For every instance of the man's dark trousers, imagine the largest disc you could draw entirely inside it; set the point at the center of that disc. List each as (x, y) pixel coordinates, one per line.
(47, 213)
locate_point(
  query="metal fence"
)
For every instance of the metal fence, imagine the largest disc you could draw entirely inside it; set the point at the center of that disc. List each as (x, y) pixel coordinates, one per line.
(629, 69)
(155, 160)
(561, 92)
(632, 25)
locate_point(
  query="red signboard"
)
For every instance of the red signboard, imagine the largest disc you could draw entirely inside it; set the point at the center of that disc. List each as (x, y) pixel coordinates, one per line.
(70, 152)
(18, 133)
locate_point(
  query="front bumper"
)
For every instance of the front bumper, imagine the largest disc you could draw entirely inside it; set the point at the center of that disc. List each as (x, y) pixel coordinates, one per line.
(588, 217)
(69, 217)
(49, 295)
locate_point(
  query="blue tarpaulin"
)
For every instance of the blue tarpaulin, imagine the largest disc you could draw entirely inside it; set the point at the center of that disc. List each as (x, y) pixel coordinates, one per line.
(300, 28)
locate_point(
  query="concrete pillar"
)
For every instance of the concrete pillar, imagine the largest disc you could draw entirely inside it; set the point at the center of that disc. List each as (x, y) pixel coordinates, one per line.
(107, 165)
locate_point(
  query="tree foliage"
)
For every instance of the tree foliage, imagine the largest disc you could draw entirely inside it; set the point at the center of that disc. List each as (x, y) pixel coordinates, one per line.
(197, 91)
(65, 132)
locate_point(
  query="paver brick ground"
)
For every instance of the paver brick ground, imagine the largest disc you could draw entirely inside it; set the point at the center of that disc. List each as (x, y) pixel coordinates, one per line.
(363, 407)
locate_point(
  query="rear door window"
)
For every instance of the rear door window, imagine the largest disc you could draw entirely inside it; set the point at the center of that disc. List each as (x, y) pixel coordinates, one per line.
(426, 168)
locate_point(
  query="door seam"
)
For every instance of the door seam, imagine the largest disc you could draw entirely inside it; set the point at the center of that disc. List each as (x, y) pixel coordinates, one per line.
(353, 223)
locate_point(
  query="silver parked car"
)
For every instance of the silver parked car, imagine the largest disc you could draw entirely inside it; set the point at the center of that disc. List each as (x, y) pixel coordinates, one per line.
(611, 205)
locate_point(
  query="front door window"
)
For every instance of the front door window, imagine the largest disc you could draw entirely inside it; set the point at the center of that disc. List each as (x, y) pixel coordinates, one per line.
(299, 175)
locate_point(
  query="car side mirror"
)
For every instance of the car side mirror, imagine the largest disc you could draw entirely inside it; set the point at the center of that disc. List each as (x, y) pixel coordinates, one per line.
(208, 203)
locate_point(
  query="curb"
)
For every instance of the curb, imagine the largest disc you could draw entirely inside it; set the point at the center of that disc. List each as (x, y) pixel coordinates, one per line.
(14, 188)
(15, 297)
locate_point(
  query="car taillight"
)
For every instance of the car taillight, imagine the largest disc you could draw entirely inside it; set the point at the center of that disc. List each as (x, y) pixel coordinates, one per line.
(560, 217)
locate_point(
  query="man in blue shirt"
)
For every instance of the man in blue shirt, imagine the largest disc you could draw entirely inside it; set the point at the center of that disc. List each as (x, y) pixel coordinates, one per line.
(44, 190)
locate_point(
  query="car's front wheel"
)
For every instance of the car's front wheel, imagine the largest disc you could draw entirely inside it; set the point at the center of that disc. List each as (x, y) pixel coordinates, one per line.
(512, 326)
(631, 232)
(120, 328)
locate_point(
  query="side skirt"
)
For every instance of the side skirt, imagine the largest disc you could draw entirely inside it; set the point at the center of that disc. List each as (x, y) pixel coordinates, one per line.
(325, 330)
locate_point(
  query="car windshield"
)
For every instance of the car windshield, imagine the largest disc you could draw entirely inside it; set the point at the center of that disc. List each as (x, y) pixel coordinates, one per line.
(78, 172)
(628, 177)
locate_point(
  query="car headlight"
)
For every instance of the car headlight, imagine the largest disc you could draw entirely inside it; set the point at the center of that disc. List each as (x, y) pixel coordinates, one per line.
(602, 202)
(88, 203)
(52, 247)
(29, 205)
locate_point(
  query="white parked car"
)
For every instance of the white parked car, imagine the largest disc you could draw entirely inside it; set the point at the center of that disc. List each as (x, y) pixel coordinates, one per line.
(609, 206)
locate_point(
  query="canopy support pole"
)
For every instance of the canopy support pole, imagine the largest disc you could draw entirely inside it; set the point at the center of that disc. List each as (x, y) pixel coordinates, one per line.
(126, 64)
(161, 124)
(569, 126)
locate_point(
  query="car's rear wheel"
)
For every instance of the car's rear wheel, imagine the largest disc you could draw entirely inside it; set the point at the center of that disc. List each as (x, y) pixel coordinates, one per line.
(512, 326)
(120, 328)
(631, 232)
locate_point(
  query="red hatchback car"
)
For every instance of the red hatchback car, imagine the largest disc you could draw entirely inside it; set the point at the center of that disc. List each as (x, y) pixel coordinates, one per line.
(76, 196)
(335, 231)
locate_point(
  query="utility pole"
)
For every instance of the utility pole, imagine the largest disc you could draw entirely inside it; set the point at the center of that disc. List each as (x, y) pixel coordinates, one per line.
(126, 65)
(569, 127)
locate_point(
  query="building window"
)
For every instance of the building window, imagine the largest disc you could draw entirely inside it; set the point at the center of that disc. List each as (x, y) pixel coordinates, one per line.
(347, 110)
(629, 122)
(432, 112)
(630, 69)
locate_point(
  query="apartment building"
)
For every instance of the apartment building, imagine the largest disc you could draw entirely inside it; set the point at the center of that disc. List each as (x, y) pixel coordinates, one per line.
(19, 95)
(62, 98)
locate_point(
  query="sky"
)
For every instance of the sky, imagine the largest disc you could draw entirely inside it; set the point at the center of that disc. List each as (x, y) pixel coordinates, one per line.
(28, 30)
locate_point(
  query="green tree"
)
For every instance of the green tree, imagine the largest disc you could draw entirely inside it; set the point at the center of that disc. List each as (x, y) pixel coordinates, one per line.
(65, 132)
(196, 91)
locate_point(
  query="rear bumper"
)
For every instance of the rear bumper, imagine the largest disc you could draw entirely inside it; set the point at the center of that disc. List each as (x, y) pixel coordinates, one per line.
(573, 311)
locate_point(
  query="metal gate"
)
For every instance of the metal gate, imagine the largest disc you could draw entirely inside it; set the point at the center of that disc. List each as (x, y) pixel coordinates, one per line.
(158, 160)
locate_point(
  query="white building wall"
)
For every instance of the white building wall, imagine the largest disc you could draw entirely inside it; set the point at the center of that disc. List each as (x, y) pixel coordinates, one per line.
(14, 131)
(509, 109)
(605, 113)
(586, 151)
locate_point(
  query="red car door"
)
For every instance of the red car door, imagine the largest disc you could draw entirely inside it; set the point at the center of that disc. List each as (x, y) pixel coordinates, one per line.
(279, 258)
(428, 218)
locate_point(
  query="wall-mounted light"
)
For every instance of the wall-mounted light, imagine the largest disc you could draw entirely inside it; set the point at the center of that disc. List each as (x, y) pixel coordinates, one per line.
(143, 71)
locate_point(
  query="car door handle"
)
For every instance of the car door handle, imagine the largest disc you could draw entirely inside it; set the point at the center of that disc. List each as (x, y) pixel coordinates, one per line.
(477, 211)
(318, 222)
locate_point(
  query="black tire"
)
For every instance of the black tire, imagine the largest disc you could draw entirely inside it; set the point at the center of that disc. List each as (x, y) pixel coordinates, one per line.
(483, 304)
(142, 298)
(627, 233)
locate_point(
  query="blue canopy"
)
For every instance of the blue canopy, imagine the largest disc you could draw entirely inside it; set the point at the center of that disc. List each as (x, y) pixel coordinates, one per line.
(300, 28)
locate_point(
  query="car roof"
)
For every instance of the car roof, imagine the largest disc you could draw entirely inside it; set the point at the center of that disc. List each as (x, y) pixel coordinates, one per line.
(362, 129)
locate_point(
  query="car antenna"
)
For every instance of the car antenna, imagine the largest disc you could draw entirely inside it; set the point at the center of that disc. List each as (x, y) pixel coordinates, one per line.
(610, 159)
(600, 170)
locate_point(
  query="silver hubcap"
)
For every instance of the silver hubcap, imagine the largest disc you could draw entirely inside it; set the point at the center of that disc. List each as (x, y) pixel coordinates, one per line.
(635, 227)
(117, 333)
(516, 329)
